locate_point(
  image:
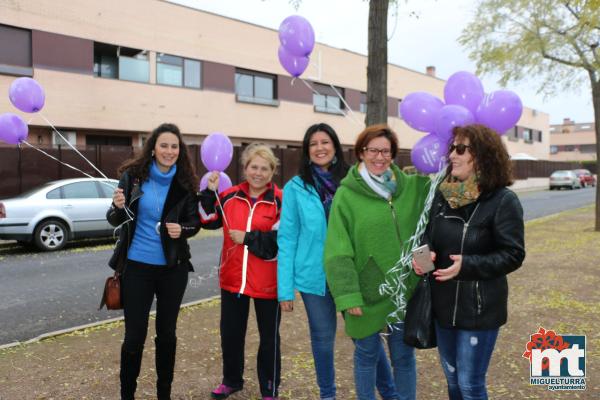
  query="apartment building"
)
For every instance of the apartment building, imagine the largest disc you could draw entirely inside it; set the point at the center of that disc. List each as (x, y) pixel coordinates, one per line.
(572, 141)
(113, 70)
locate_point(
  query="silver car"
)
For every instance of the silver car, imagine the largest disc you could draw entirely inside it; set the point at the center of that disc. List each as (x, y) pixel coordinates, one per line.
(55, 212)
(564, 178)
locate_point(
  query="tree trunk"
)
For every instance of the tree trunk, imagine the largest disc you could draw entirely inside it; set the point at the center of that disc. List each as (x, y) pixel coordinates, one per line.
(377, 64)
(595, 82)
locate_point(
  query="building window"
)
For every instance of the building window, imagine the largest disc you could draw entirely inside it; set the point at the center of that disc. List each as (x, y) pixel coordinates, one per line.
(553, 149)
(107, 140)
(327, 100)
(116, 62)
(527, 135)
(363, 103)
(587, 148)
(15, 51)
(538, 136)
(513, 134)
(255, 87)
(178, 71)
(69, 135)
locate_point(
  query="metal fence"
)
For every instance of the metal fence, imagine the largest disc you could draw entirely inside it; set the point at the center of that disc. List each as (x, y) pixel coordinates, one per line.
(22, 168)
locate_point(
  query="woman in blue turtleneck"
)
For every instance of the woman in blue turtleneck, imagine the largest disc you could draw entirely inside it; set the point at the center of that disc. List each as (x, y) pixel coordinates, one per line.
(155, 207)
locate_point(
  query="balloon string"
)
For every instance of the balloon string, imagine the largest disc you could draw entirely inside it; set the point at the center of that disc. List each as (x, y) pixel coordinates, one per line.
(222, 209)
(67, 165)
(334, 106)
(343, 101)
(71, 146)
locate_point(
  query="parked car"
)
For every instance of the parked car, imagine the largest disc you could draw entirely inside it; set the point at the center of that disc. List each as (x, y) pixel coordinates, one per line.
(56, 212)
(585, 177)
(564, 178)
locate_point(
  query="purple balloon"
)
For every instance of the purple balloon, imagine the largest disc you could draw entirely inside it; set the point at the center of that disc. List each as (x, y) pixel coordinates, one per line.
(294, 65)
(224, 181)
(13, 129)
(27, 95)
(464, 89)
(216, 152)
(500, 110)
(449, 117)
(420, 109)
(429, 154)
(297, 36)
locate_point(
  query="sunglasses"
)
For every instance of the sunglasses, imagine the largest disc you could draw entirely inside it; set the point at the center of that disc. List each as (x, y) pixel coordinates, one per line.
(460, 148)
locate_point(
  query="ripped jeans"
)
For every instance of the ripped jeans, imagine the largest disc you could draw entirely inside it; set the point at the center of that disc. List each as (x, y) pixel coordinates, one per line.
(465, 357)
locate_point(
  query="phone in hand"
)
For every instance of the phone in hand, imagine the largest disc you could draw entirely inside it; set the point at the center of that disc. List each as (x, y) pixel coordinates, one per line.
(422, 256)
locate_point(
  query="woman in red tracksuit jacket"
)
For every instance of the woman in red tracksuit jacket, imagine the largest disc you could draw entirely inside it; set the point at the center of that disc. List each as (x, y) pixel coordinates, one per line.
(250, 218)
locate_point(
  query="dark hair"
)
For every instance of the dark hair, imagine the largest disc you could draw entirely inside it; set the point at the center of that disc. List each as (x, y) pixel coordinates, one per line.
(490, 159)
(139, 166)
(338, 169)
(372, 132)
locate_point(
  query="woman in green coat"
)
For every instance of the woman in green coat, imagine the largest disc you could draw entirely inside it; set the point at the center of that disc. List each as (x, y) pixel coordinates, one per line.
(374, 213)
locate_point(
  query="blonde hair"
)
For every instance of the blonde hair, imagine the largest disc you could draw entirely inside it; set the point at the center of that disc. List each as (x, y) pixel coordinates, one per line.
(260, 150)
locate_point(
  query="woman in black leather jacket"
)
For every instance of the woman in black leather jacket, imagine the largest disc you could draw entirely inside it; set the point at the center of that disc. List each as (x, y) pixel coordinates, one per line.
(155, 208)
(476, 236)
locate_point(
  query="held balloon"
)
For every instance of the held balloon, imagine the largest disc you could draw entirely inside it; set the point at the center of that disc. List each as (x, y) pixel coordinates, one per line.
(449, 117)
(216, 152)
(294, 65)
(27, 95)
(500, 110)
(297, 36)
(420, 109)
(429, 154)
(224, 181)
(464, 89)
(13, 130)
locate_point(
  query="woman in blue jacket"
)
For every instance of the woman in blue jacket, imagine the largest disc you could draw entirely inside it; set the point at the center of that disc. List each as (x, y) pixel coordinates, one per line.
(301, 238)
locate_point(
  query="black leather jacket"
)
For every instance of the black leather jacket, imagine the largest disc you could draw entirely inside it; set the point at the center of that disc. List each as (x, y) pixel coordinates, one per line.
(181, 206)
(490, 236)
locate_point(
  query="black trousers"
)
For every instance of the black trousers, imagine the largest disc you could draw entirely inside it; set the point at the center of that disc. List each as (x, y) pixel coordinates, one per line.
(140, 284)
(234, 321)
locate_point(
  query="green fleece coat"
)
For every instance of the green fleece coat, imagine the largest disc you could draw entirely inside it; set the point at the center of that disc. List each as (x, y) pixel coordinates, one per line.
(365, 237)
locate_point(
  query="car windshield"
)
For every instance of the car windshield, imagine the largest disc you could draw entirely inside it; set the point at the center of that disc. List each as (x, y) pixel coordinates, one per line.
(560, 174)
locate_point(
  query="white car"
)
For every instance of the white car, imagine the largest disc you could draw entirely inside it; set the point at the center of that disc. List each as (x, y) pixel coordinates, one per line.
(56, 212)
(566, 179)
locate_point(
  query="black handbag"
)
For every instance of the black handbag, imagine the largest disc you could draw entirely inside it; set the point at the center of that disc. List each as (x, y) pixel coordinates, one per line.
(419, 329)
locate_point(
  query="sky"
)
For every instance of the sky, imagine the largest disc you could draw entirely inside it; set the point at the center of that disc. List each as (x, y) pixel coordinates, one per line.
(423, 33)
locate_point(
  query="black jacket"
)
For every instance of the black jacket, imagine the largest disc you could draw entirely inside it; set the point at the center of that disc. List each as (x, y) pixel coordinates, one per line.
(181, 206)
(490, 236)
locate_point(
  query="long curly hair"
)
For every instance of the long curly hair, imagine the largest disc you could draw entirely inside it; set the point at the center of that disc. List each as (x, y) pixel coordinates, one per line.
(490, 158)
(139, 166)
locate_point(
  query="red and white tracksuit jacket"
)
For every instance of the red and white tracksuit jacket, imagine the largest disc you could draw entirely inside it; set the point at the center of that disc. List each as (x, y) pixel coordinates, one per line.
(249, 268)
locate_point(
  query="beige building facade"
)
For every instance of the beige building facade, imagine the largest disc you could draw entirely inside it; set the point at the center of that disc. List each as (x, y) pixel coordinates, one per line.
(114, 70)
(572, 141)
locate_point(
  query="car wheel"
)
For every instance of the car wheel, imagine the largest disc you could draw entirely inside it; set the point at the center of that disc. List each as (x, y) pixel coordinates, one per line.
(50, 235)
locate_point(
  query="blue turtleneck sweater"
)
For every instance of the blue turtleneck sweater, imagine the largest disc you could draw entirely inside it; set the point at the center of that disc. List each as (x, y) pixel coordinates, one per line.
(146, 246)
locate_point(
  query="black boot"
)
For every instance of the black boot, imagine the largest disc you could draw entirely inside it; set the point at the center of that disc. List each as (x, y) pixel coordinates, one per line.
(165, 364)
(130, 369)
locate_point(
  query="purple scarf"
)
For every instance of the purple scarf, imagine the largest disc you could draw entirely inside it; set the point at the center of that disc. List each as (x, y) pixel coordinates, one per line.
(325, 186)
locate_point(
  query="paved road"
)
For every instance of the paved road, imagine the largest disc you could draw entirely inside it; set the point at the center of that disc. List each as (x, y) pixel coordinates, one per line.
(44, 292)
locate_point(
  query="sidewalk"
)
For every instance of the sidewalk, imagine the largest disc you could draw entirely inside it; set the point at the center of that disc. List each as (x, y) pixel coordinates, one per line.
(557, 288)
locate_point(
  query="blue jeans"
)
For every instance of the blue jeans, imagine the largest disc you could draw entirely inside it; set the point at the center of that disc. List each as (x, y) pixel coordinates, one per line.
(367, 372)
(322, 322)
(465, 357)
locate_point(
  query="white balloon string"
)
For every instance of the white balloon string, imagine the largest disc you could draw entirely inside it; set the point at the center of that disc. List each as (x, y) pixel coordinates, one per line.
(334, 106)
(343, 101)
(222, 209)
(71, 146)
(394, 285)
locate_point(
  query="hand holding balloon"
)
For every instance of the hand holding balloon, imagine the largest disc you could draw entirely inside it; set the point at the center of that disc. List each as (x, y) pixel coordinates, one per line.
(213, 181)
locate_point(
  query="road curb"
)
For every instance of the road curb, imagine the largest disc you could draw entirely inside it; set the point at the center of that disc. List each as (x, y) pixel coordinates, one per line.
(65, 331)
